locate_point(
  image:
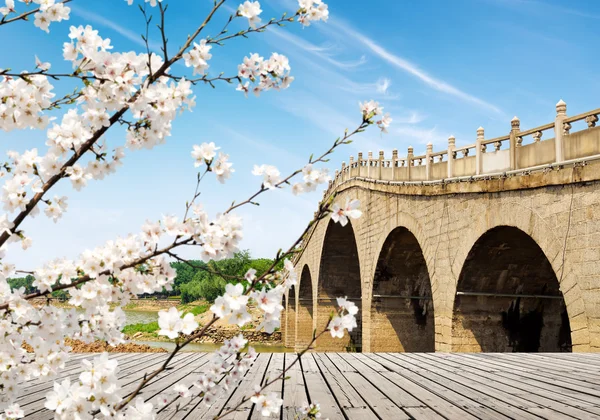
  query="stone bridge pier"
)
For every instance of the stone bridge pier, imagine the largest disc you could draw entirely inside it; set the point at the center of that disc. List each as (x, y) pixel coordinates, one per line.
(495, 252)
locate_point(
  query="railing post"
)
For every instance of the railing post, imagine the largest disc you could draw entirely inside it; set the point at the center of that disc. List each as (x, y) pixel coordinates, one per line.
(380, 163)
(359, 163)
(428, 161)
(561, 114)
(343, 170)
(351, 167)
(479, 151)
(451, 146)
(409, 160)
(394, 163)
(369, 163)
(515, 127)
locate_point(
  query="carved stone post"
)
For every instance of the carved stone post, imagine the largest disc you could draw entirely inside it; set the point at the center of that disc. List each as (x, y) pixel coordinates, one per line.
(479, 151)
(380, 164)
(351, 164)
(409, 160)
(343, 171)
(559, 128)
(394, 163)
(369, 164)
(515, 127)
(451, 147)
(428, 161)
(359, 164)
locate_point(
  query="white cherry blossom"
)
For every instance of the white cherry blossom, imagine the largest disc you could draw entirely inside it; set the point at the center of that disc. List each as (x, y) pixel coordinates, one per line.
(341, 215)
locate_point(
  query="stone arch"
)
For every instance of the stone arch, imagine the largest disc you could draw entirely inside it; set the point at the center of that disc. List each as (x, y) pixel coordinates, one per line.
(508, 297)
(401, 312)
(549, 241)
(290, 329)
(305, 312)
(339, 275)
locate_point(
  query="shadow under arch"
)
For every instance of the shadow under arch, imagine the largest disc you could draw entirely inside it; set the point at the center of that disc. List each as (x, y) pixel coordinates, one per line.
(290, 333)
(305, 309)
(508, 297)
(402, 317)
(339, 276)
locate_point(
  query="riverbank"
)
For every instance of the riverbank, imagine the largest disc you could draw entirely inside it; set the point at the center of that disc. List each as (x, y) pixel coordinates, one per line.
(144, 305)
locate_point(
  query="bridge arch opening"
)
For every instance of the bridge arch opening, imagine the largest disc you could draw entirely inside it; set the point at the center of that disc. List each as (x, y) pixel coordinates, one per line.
(339, 276)
(305, 309)
(402, 306)
(508, 298)
(290, 330)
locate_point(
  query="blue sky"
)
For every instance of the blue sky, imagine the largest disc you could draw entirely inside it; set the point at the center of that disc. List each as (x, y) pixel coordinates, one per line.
(439, 68)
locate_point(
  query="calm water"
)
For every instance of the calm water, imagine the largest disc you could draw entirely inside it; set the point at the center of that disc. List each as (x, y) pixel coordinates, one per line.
(207, 347)
(140, 317)
(135, 317)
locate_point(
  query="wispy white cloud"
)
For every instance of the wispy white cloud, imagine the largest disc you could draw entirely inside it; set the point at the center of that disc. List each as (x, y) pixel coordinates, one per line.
(265, 147)
(321, 52)
(413, 117)
(411, 68)
(126, 33)
(419, 136)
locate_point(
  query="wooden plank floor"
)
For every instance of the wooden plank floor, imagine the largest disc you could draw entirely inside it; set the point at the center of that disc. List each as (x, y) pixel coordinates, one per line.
(378, 385)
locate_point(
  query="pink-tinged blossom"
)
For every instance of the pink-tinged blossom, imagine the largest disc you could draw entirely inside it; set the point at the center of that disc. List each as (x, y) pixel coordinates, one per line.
(250, 10)
(204, 153)
(341, 215)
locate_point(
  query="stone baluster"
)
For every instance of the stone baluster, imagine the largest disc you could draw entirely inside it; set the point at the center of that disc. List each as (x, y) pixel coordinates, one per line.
(351, 170)
(451, 147)
(369, 164)
(479, 151)
(514, 141)
(409, 160)
(559, 127)
(343, 171)
(380, 163)
(394, 163)
(360, 164)
(428, 160)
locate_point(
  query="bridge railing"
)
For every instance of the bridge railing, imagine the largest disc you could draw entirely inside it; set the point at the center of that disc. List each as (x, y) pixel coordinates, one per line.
(551, 143)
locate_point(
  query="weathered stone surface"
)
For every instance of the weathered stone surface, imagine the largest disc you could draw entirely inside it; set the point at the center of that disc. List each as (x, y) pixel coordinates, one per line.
(556, 210)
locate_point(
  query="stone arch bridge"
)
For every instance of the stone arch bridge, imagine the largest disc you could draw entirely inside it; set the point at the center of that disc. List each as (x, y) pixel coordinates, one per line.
(494, 246)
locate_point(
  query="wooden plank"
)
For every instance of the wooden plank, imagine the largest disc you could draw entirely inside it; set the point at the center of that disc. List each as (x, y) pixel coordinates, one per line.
(234, 396)
(294, 390)
(511, 405)
(557, 402)
(590, 396)
(350, 401)
(507, 387)
(177, 404)
(471, 402)
(535, 367)
(273, 371)
(437, 397)
(37, 392)
(368, 368)
(318, 390)
(42, 413)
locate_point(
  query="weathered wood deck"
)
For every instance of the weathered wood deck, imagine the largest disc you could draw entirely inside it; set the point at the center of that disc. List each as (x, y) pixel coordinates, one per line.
(381, 385)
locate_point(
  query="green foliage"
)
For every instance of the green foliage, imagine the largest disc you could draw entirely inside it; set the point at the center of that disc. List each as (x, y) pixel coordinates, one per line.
(203, 286)
(26, 282)
(209, 279)
(150, 327)
(194, 309)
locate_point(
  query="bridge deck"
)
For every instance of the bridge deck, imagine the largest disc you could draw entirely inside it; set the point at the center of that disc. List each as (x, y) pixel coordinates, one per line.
(381, 385)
